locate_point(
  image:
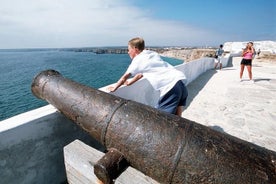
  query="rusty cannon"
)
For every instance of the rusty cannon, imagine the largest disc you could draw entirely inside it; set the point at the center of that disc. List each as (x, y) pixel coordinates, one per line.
(168, 148)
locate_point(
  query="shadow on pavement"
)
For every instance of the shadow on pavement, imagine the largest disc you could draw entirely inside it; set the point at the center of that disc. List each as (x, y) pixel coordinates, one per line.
(197, 85)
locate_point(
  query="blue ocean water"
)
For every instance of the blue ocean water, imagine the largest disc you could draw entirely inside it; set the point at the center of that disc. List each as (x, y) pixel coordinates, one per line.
(19, 67)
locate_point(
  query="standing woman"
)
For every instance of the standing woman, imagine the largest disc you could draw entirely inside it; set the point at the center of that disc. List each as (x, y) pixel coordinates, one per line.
(247, 54)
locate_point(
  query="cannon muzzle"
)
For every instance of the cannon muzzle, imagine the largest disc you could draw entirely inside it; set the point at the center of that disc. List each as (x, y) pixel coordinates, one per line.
(168, 148)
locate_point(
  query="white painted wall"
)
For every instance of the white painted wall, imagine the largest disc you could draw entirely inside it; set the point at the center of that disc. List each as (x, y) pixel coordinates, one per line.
(143, 92)
(31, 146)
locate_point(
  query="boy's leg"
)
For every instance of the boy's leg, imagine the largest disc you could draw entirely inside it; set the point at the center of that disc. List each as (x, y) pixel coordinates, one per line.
(179, 110)
(173, 99)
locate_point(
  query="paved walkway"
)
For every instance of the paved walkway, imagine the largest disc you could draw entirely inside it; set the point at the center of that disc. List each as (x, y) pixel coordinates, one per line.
(243, 109)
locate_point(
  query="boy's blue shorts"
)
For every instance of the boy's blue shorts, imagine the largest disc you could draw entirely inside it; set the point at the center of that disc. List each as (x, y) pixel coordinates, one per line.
(177, 96)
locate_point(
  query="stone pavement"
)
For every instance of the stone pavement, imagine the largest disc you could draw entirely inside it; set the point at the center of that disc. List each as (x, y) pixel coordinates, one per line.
(246, 110)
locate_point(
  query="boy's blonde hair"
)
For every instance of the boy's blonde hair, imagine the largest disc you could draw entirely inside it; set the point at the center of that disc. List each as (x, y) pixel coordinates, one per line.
(138, 43)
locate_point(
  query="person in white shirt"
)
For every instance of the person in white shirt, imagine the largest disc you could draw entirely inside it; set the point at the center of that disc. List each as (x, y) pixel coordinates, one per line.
(161, 75)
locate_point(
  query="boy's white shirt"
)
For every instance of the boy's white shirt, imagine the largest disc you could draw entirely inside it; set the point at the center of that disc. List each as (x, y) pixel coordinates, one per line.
(150, 64)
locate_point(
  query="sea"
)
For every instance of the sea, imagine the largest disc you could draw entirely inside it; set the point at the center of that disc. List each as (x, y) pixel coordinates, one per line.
(18, 67)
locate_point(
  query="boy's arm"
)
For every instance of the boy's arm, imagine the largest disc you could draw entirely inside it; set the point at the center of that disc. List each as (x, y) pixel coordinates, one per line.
(120, 82)
(134, 79)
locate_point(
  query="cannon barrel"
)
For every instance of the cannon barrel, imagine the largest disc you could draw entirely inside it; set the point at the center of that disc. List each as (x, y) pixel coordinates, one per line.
(168, 148)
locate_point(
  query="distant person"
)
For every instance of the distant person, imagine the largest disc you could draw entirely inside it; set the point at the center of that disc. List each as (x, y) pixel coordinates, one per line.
(259, 51)
(161, 75)
(218, 57)
(248, 55)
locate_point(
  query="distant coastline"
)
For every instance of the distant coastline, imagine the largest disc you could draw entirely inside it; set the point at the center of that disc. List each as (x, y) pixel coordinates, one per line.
(182, 53)
(268, 50)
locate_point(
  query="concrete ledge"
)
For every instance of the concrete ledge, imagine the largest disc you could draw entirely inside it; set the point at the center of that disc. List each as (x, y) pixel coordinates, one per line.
(31, 146)
(26, 117)
(79, 159)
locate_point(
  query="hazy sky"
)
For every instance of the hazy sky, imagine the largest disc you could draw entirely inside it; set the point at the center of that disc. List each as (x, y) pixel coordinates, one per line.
(88, 23)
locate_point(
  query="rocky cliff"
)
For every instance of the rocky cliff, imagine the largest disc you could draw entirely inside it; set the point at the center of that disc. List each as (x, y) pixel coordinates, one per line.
(188, 54)
(264, 46)
(267, 48)
(267, 51)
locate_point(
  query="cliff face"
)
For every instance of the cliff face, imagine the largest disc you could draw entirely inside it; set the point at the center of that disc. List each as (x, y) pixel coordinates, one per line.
(267, 48)
(189, 54)
(264, 46)
(267, 51)
(114, 50)
(111, 51)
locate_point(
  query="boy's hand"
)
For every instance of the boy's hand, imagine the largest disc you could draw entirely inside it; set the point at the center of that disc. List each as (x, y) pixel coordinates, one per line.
(126, 83)
(111, 88)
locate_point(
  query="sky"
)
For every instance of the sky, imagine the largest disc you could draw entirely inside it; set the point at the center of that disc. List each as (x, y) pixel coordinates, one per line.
(98, 23)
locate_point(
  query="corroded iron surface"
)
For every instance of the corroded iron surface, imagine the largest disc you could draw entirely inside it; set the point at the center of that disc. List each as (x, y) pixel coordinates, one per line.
(110, 166)
(165, 147)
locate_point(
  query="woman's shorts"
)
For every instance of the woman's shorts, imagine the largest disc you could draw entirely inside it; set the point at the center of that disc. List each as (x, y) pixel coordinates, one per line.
(177, 96)
(246, 62)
